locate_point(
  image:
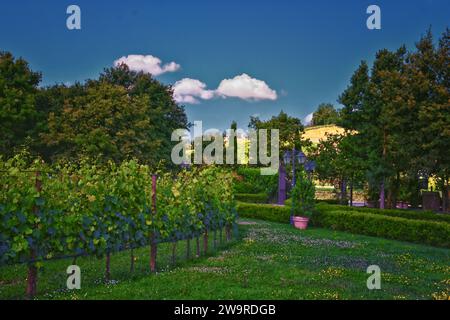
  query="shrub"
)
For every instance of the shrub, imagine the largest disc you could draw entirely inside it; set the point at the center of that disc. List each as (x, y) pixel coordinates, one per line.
(419, 231)
(250, 180)
(407, 214)
(252, 198)
(267, 212)
(302, 197)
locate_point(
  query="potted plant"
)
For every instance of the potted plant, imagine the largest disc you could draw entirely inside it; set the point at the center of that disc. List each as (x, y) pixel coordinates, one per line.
(303, 201)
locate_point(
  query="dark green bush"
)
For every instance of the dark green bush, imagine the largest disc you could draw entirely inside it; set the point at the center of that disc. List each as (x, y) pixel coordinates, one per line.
(302, 197)
(419, 231)
(407, 214)
(264, 212)
(252, 198)
(250, 180)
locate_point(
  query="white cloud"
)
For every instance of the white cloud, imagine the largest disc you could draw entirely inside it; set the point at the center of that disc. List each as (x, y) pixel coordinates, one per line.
(147, 64)
(190, 90)
(308, 119)
(247, 88)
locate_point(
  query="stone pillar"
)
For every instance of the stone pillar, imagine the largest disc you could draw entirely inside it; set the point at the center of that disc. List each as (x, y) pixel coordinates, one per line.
(281, 184)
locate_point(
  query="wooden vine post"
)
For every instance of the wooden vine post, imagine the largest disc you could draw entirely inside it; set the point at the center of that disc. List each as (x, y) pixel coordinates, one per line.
(228, 232)
(174, 253)
(188, 248)
(108, 266)
(205, 242)
(32, 268)
(132, 260)
(153, 247)
(197, 242)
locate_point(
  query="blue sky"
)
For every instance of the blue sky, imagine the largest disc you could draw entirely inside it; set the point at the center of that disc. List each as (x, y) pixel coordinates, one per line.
(305, 51)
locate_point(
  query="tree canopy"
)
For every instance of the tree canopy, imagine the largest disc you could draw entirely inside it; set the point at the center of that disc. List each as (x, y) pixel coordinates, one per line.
(326, 113)
(121, 115)
(18, 113)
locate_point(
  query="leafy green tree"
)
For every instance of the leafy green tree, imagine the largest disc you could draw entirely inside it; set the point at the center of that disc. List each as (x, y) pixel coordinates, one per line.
(165, 114)
(326, 114)
(106, 122)
(18, 114)
(370, 106)
(339, 161)
(51, 99)
(291, 130)
(143, 131)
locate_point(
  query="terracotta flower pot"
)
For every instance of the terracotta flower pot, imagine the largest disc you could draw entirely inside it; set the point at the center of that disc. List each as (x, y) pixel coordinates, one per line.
(301, 222)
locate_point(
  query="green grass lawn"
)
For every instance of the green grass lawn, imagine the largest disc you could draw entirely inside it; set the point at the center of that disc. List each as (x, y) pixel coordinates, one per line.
(268, 261)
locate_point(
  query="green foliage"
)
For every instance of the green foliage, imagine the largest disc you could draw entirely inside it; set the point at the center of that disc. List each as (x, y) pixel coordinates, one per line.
(326, 113)
(18, 114)
(93, 209)
(267, 212)
(163, 114)
(105, 122)
(121, 116)
(252, 197)
(399, 110)
(420, 231)
(250, 180)
(291, 130)
(303, 197)
(339, 157)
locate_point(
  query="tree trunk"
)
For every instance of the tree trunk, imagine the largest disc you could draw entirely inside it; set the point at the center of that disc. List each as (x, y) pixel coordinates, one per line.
(31, 281)
(389, 198)
(343, 191)
(153, 253)
(382, 195)
(445, 197)
(351, 193)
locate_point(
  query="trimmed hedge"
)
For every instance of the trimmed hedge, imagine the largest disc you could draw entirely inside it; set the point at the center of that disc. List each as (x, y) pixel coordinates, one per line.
(267, 212)
(419, 231)
(252, 197)
(407, 214)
